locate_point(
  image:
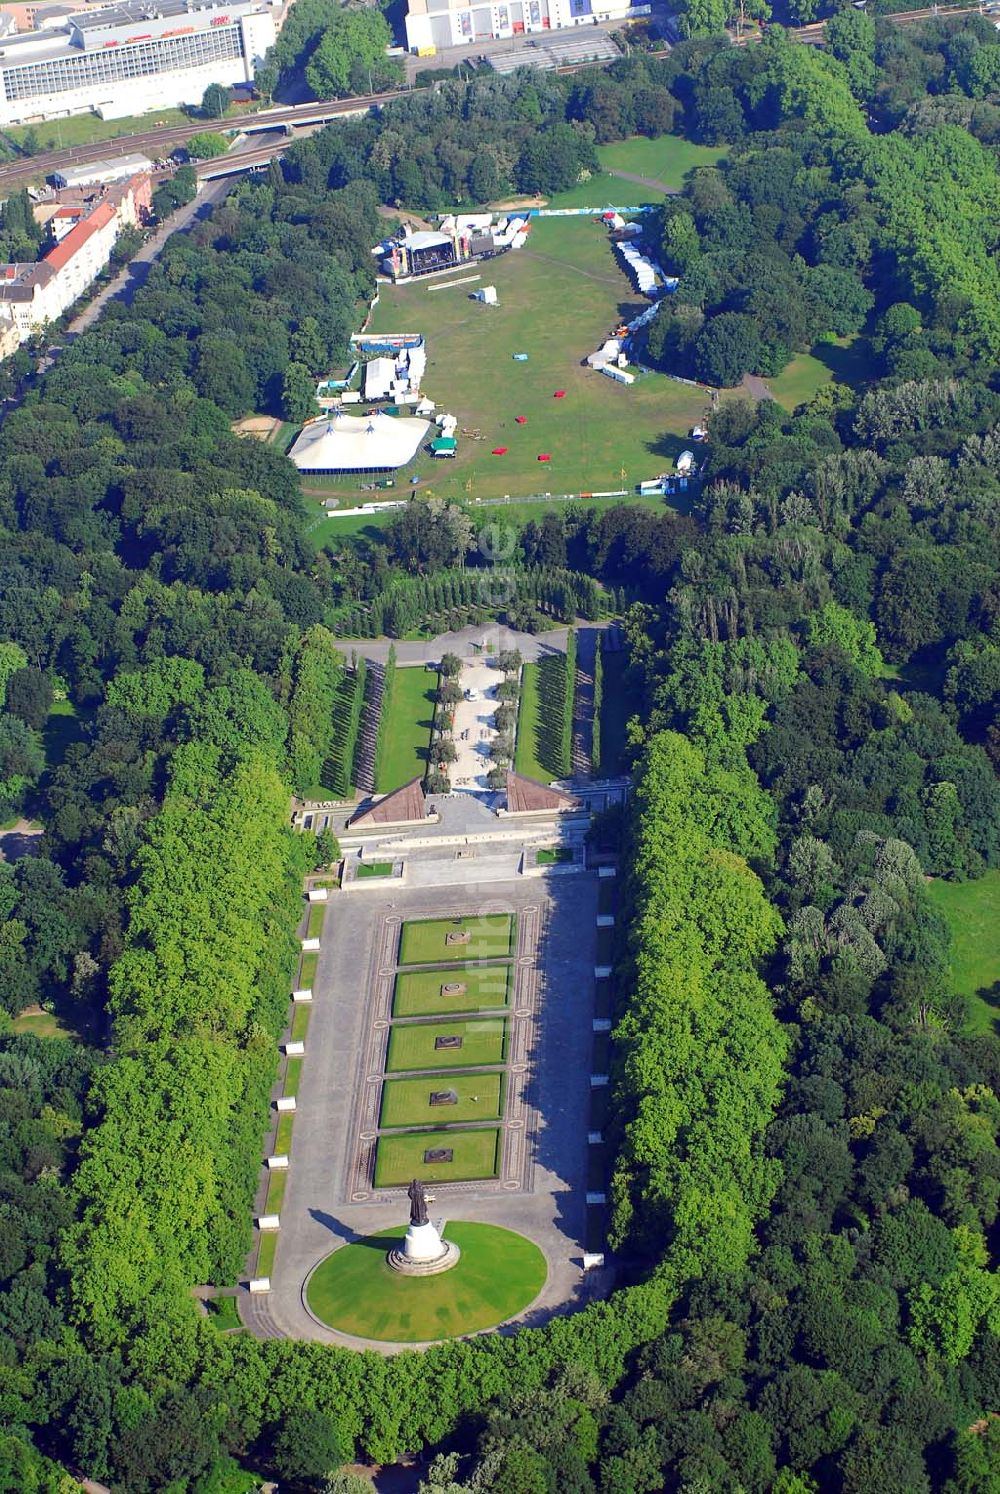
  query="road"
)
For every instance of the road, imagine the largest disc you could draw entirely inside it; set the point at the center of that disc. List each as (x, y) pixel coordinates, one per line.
(134, 274)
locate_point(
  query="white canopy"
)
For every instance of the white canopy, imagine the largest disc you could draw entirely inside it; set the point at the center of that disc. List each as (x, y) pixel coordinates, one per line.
(379, 374)
(358, 443)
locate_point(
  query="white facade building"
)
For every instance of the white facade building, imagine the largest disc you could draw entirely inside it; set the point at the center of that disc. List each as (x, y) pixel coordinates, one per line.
(432, 24)
(132, 58)
(33, 294)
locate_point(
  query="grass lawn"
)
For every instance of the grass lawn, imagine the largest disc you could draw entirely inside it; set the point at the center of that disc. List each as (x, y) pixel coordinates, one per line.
(374, 869)
(277, 1184)
(223, 1313)
(293, 1073)
(476, 1154)
(607, 895)
(40, 1025)
(615, 711)
(498, 1274)
(407, 731)
(559, 298)
(317, 913)
(307, 969)
(605, 945)
(283, 1137)
(420, 993)
(973, 913)
(667, 160)
(424, 941)
(412, 1045)
(407, 1102)
(536, 751)
(300, 1020)
(526, 748)
(552, 855)
(840, 362)
(267, 1252)
(86, 129)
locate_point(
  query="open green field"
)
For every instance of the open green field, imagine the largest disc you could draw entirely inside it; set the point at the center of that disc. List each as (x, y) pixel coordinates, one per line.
(413, 1045)
(667, 160)
(498, 1274)
(973, 913)
(560, 297)
(424, 941)
(528, 712)
(407, 1102)
(406, 735)
(840, 362)
(475, 1154)
(615, 711)
(421, 993)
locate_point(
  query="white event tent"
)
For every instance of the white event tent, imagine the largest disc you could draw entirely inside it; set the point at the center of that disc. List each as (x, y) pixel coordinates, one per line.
(358, 443)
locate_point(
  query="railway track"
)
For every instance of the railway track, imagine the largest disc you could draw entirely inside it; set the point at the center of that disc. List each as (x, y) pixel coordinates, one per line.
(157, 141)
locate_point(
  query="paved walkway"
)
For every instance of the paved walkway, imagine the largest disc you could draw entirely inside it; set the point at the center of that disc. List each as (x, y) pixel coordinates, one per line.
(532, 646)
(474, 730)
(322, 1207)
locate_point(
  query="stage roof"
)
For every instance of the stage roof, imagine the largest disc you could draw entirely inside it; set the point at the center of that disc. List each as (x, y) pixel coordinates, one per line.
(358, 443)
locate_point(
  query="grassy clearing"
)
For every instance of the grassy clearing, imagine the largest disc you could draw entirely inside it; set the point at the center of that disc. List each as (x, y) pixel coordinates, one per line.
(413, 1045)
(615, 711)
(475, 1154)
(667, 160)
(424, 941)
(498, 1274)
(973, 913)
(41, 1025)
(408, 729)
(421, 993)
(842, 362)
(560, 297)
(538, 749)
(407, 1102)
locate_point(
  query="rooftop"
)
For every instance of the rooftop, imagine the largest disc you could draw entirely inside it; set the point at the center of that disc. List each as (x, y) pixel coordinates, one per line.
(59, 257)
(527, 796)
(401, 807)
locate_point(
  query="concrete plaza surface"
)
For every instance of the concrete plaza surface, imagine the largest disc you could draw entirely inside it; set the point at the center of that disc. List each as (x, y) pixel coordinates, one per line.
(542, 1187)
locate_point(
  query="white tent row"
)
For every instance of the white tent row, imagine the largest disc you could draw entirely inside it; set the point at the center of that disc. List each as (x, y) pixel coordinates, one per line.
(643, 269)
(606, 354)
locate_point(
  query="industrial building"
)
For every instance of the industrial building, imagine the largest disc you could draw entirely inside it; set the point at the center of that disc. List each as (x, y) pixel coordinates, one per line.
(431, 24)
(131, 58)
(97, 173)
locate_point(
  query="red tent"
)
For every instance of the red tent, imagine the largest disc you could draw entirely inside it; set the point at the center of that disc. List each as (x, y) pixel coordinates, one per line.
(559, 394)
(499, 451)
(545, 457)
(520, 419)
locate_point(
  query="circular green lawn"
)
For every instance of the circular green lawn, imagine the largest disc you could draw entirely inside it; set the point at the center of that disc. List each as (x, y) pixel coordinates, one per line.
(498, 1274)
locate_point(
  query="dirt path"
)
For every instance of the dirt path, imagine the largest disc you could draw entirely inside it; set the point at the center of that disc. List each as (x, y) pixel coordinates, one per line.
(756, 386)
(645, 181)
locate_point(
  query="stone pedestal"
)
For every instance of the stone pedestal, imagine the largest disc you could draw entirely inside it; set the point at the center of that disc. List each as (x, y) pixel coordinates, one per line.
(423, 1252)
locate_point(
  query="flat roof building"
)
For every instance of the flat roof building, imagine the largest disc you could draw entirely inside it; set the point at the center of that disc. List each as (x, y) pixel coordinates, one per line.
(97, 172)
(431, 24)
(131, 58)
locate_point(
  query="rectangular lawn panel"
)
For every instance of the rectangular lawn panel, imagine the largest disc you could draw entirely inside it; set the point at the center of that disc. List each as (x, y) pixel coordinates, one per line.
(617, 704)
(419, 993)
(475, 1154)
(407, 729)
(426, 941)
(421, 1102)
(430, 1045)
